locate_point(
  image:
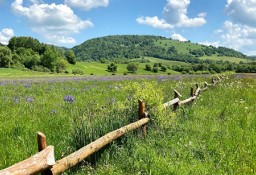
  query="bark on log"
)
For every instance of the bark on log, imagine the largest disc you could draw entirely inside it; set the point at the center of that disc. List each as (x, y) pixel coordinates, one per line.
(170, 103)
(197, 92)
(203, 89)
(33, 165)
(76, 157)
(187, 100)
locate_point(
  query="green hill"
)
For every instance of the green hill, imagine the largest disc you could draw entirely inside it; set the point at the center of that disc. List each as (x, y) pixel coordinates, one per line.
(136, 46)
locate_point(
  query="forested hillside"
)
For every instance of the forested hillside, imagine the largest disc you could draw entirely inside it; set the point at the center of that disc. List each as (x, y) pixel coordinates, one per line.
(27, 52)
(135, 46)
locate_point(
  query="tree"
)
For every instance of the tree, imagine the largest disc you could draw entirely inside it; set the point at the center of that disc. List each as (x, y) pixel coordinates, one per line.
(148, 67)
(5, 56)
(70, 56)
(112, 67)
(61, 65)
(132, 67)
(163, 68)
(155, 69)
(50, 58)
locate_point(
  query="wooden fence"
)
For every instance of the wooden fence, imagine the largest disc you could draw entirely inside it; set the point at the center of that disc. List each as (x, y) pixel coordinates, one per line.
(44, 162)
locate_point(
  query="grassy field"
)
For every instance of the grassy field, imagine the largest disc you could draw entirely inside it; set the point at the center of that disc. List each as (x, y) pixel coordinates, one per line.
(93, 68)
(216, 135)
(181, 48)
(101, 69)
(224, 58)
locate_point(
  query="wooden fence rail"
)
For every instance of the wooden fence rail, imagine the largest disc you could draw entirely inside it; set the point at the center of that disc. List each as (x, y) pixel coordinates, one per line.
(33, 165)
(44, 161)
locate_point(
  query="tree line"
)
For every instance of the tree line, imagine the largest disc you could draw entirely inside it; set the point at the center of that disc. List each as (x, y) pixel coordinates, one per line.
(27, 52)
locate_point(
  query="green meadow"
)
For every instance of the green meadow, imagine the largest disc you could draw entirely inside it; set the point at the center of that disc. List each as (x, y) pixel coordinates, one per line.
(225, 58)
(214, 135)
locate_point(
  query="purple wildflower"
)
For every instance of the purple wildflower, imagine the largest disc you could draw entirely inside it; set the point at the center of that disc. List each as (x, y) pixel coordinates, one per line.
(69, 98)
(27, 85)
(29, 99)
(16, 100)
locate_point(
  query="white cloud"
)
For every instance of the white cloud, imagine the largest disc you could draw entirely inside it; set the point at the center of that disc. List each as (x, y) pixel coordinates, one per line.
(239, 37)
(51, 20)
(154, 22)
(87, 4)
(61, 39)
(5, 35)
(239, 32)
(175, 15)
(242, 11)
(179, 37)
(207, 43)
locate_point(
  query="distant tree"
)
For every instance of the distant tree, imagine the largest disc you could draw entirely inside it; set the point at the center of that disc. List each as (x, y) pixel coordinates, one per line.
(5, 56)
(148, 67)
(155, 69)
(163, 68)
(61, 65)
(50, 58)
(112, 67)
(132, 67)
(156, 65)
(70, 56)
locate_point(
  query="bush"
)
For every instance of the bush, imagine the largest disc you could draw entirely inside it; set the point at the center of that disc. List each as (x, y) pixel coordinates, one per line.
(148, 67)
(155, 69)
(112, 67)
(163, 68)
(77, 71)
(132, 67)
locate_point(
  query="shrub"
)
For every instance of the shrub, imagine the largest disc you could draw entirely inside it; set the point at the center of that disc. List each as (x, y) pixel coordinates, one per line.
(77, 71)
(112, 67)
(163, 68)
(155, 69)
(148, 67)
(132, 67)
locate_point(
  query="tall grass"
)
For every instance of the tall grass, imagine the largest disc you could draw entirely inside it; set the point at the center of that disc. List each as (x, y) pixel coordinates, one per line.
(216, 135)
(213, 136)
(70, 113)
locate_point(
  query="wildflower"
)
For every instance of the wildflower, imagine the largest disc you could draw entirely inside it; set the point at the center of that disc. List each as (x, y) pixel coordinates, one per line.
(27, 85)
(16, 100)
(29, 99)
(69, 98)
(113, 100)
(53, 111)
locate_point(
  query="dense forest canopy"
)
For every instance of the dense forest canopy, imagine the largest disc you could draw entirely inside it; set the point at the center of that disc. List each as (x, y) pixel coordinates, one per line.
(27, 52)
(135, 46)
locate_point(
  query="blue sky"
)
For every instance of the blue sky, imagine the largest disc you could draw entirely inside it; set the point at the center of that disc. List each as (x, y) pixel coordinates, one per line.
(229, 23)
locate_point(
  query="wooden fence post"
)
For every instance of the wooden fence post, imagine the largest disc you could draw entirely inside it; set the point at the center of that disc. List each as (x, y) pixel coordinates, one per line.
(41, 141)
(213, 81)
(176, 95)
(142, 114)
(191, 92)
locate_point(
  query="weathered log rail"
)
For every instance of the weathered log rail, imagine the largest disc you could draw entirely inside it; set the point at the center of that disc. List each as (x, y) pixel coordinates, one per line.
(44, 161)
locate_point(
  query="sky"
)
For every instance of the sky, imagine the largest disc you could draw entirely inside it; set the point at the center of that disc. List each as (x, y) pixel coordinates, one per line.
(228, 23)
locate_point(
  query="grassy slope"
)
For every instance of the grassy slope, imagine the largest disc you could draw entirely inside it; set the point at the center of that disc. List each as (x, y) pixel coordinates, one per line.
(184, 47)
(224, 58)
